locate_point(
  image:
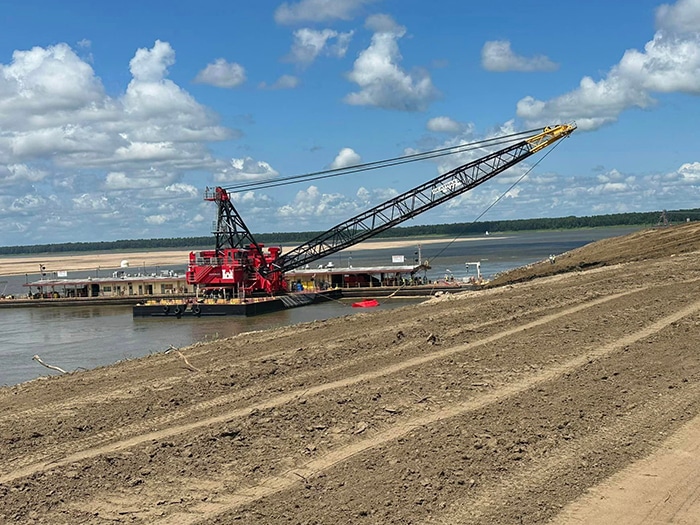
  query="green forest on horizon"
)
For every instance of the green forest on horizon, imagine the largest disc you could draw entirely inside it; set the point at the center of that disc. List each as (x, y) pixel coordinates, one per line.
(641, 219)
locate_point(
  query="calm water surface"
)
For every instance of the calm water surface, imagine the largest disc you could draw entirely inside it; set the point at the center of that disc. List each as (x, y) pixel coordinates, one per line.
(92, 336)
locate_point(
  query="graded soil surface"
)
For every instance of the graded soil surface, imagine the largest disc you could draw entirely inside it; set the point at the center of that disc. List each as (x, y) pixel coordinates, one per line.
(557, 390)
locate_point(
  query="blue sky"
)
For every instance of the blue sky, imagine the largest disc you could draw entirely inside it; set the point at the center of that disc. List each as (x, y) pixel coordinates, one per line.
(114, 117)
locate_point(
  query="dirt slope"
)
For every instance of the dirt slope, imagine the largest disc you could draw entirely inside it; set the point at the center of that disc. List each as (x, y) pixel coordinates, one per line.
(643, 245)
(498, 406)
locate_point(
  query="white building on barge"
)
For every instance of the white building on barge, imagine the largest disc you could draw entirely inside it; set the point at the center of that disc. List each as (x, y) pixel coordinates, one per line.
(171, 284)
(330, 276)
(121, 284)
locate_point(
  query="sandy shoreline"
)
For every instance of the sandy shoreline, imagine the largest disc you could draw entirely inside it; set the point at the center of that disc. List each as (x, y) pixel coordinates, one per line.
(61, 262)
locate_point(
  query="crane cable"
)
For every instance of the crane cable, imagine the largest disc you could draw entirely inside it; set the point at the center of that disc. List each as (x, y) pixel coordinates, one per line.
(498, 199)
(336, 172)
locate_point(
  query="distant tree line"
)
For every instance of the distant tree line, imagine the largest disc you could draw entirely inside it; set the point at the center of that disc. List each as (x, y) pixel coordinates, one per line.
(436, 230)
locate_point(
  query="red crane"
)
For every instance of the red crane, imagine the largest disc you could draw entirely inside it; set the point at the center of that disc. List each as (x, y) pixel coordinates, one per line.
(240, 264)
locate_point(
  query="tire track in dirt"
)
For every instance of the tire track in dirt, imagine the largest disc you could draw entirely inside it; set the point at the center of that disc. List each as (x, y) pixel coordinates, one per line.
(661, 488)
(475, 511)
(205, 407)
(86, 453)
(290, 478)
(189, 412)
(69, 405)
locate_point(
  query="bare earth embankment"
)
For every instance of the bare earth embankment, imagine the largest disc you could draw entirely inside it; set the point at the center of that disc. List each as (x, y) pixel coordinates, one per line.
(544, 398)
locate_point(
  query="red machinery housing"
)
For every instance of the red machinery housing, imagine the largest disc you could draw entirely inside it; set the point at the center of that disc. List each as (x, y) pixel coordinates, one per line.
(236, 269)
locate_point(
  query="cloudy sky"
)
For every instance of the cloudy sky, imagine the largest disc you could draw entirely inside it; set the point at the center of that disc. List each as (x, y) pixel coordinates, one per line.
(114, 117)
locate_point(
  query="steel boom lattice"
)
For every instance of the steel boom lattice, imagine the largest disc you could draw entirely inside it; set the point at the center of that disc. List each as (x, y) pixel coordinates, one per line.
(418, 200)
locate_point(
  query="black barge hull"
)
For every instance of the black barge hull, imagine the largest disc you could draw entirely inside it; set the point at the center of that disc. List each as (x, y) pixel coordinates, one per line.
(247, 308)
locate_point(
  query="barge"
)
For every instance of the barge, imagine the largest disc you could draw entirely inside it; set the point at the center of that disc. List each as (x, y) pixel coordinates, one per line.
(178, 308)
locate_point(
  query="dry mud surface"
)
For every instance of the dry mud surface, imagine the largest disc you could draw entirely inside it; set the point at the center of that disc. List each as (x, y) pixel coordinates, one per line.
(522, 403)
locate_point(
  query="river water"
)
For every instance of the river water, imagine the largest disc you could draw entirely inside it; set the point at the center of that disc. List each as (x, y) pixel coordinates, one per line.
(93, 336)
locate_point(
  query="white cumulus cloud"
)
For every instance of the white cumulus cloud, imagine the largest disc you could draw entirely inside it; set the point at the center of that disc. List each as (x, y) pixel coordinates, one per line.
(136, 180)
(222, 74)
(45, 80)
(682, 17)
(156, 219)
(87, 202)
(690, 172)
(445, 125)
(311, 203)
(345, 158)
(497, 55)
(375, 196)
(309, 44)
(61, 128)
(383, 83)
(20, 173)
(669, 63)
(151, 65)
(245, 169)
(29, 203)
